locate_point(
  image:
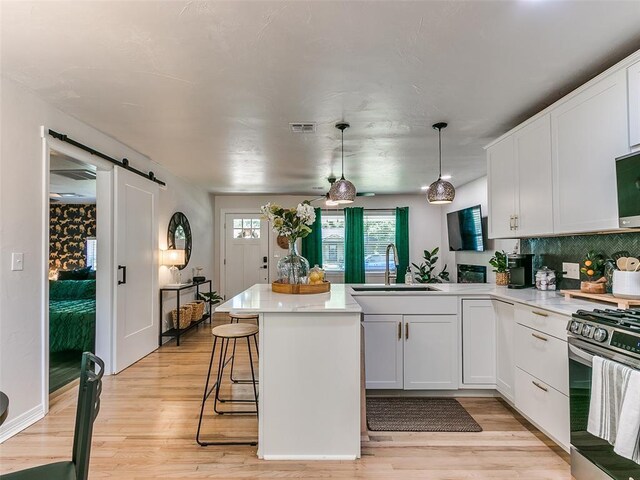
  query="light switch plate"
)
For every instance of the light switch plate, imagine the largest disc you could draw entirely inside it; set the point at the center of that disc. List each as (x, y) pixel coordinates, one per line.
(572, 269)
(17, 261)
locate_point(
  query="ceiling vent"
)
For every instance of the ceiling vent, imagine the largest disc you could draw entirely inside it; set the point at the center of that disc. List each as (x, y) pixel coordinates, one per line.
(78, 174)
(302, 127)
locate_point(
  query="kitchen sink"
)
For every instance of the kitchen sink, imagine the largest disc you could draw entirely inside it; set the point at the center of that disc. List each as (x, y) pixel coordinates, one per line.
(394, 288)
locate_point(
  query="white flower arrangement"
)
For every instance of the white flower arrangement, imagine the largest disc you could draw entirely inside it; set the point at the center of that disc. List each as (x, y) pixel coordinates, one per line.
(292, 223)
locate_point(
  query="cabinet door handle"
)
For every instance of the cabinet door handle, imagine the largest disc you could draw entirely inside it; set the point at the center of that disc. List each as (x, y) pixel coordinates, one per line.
(539, 337)
(399, 330)
(406, 331)
(516, 225)
(124, 274)
(540, 314)
(511, 222)
(539, 386)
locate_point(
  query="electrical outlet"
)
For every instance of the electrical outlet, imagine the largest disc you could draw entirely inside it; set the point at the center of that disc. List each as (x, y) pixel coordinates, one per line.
(572, 269)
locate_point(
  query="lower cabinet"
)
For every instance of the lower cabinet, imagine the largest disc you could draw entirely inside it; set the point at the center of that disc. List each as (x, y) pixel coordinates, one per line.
(478, 342)
(505, 361)
(383, 351)
(411, 352)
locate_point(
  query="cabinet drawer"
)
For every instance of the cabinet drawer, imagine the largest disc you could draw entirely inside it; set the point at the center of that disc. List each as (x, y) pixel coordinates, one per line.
(543, 321)
(543, 356)
(544, 406)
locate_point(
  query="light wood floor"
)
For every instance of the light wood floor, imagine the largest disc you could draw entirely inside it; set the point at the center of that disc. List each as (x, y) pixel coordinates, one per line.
(149, 413)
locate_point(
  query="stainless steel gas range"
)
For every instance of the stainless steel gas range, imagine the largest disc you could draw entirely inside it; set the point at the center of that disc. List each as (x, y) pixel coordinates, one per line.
(613, 334)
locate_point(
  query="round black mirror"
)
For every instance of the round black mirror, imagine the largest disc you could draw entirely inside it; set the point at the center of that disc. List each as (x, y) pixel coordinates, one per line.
(179, 236)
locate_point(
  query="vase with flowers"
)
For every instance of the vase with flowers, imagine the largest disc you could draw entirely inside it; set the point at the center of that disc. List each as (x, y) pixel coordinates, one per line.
(292, 224)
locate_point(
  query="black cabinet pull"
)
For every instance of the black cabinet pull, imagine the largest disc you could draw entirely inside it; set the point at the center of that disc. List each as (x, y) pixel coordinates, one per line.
(124, 274)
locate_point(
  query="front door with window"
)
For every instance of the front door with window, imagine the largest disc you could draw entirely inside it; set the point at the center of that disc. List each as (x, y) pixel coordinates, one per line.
(246, 252)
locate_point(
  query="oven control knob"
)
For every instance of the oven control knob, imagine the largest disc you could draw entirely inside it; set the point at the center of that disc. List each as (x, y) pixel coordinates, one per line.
(600, 335)
(576, 327)
(587, 331)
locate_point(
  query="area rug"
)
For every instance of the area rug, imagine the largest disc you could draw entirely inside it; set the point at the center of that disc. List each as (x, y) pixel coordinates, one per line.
(418, 414)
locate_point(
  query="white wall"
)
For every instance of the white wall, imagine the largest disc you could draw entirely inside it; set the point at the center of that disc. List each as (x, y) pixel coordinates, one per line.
(424, 220)
(21, 230)
(468, 195)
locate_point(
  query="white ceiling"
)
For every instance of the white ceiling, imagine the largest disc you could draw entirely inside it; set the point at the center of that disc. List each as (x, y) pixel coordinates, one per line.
(208, 88)
(84, 191)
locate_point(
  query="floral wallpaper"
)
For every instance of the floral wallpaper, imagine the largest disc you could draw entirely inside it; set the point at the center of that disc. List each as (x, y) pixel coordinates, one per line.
(69, 226)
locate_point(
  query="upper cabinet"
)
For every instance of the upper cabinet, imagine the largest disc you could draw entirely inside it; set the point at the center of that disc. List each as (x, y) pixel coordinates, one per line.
(589, 131)
(520, 184)
(633, 74)
(555, 174)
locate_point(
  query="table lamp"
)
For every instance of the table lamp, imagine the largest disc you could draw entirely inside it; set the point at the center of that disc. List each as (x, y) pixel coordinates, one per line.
(174, 258)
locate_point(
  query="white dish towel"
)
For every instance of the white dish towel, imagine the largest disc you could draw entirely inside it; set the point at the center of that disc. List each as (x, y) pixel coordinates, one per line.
(628, 439)
(609, 382)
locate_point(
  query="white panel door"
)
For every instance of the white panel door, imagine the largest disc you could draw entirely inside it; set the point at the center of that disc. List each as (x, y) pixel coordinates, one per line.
(478, 342)
(505, 360)
(430, 352)
(534, 210)
(246, 252)
(588, 132)
(633, 73)
(501, 165)
(136, 247)
(383, 351)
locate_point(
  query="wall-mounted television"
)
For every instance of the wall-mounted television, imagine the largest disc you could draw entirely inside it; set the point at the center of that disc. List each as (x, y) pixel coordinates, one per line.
(465, 228)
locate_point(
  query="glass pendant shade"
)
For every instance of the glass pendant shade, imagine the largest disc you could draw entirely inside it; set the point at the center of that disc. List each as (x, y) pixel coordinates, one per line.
(441, 192)
(342, 191)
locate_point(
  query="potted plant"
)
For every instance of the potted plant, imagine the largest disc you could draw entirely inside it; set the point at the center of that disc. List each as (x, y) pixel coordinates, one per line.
(499, 264)
(593, 268)
(425, 269)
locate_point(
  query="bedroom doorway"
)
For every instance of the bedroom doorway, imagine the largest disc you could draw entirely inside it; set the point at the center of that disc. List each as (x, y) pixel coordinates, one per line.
(73, 265)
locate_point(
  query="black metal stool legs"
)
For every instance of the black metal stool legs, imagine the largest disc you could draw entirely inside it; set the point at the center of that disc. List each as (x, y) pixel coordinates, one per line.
(222, 360)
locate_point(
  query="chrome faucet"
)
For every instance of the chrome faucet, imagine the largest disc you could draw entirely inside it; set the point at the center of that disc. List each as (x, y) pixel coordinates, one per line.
(387, 274)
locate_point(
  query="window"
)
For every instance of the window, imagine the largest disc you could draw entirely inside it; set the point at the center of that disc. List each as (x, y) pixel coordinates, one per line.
(379, 231)
(246, 228)
(92, 253)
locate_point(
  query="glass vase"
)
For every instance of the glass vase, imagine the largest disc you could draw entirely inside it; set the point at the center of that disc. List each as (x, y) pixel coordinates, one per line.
(293, 268)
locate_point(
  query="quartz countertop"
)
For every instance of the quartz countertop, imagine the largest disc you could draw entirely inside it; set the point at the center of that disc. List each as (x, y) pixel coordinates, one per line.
(553, 301)
(260, 299)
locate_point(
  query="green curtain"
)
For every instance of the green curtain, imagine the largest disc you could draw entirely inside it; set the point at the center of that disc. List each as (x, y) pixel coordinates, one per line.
(402, 242)
(312, 243)
(354, 245)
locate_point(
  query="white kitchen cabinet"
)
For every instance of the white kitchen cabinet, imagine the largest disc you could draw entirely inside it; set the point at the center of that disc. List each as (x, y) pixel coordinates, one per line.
(520, 182)
(430, 352)
(588, 132)
(502, 188)
(534, 199)
(633, 78)
(478, 342)
(505, 361)
(383, 344)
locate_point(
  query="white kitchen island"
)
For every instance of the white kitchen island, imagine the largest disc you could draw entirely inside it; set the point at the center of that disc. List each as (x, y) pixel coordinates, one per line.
(309, 372)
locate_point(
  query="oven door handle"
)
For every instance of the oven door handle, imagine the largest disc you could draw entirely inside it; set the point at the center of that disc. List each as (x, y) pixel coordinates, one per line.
(580, 355)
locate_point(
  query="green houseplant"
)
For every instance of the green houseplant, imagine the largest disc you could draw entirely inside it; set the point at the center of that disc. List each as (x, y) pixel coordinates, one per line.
(425, 270)
(499, 264)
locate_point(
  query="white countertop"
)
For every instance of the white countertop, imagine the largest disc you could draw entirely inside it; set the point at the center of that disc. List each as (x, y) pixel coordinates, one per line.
(260, 298)
(553, 301)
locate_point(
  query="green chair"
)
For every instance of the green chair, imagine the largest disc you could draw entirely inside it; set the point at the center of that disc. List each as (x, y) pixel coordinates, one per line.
(86, 413)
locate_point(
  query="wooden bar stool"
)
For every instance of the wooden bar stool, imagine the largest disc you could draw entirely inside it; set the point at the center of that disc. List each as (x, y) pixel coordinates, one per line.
(235, 318)
(227, 333)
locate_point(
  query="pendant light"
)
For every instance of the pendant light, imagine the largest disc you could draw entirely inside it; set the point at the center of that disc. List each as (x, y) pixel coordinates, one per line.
(440, 191)
(342, 191)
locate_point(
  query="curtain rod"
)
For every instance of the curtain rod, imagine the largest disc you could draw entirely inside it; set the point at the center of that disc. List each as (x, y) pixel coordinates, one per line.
(123, 164)
(390, 209)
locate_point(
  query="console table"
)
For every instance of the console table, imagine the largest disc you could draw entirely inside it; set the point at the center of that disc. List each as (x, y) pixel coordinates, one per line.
(178, 332)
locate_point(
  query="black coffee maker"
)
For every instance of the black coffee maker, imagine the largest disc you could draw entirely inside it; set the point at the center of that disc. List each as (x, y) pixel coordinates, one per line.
(520, 266)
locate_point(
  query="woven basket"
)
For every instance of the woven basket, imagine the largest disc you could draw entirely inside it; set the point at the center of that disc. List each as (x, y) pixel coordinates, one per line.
(197, 310)
(186, 312)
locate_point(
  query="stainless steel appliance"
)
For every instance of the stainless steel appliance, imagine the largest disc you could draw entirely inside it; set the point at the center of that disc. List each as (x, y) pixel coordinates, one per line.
(628, 183)
(615, 335)
(520, 266)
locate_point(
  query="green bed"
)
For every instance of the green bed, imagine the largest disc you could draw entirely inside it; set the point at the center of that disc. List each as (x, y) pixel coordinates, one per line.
(72, 315)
